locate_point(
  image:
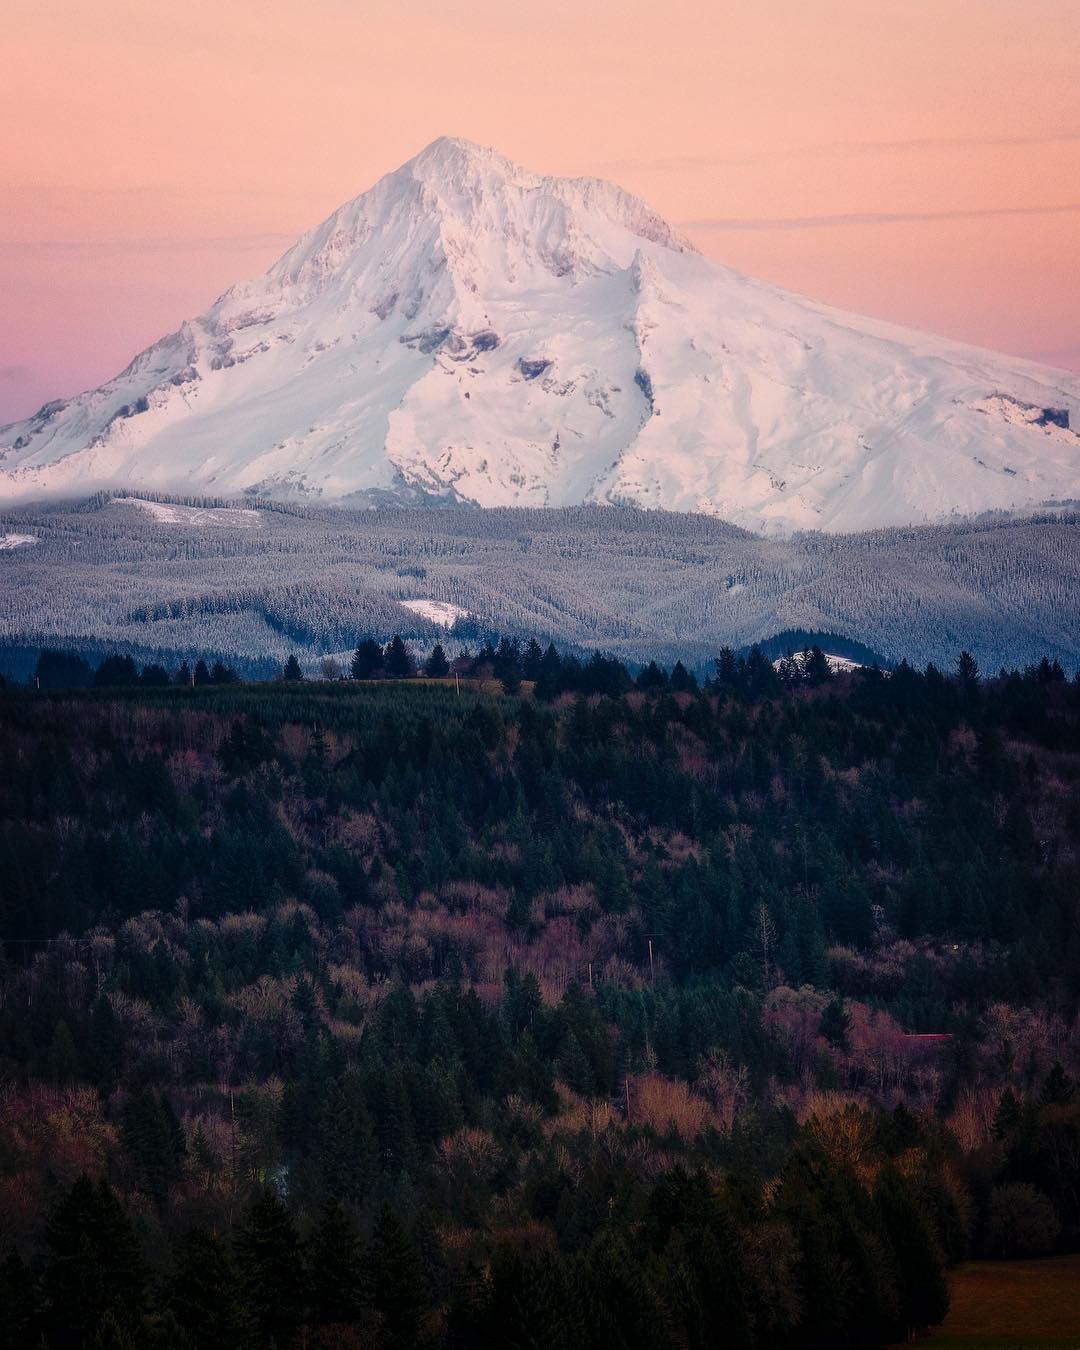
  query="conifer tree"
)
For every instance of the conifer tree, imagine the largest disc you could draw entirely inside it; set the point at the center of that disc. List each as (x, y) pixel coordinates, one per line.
(397, 1287)
(291, 670)
(205, 1295)
(835, 1023)
(367, 660)
(348, 1150)
(437, 667)
(1059, 1089)
(271, 1268)
(1008, 1115)
(92, 1265)
(924, 1295)
(967, 673)
(816, 669)
(154, 1140)
(62, 1059)
(532, 660)
(397, 660)
(337, 1284)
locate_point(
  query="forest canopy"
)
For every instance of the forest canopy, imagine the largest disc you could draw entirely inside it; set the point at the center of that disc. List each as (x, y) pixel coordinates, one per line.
(538, 1002)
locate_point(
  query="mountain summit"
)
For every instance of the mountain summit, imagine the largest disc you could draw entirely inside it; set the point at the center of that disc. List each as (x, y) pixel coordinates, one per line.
(471, 331)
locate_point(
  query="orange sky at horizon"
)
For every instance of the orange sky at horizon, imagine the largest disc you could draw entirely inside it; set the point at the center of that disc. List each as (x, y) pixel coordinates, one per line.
(916, 161)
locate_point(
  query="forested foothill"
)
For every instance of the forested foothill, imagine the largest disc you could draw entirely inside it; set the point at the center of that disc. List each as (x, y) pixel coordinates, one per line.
(522, 1000)
(249, 582)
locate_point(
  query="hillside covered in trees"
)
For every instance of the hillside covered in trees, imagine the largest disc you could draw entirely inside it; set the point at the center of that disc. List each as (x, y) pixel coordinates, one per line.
(545, 1007)
(249, 582)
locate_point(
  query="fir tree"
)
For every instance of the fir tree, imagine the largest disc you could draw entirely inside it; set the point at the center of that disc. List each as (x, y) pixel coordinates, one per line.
(437, 667)
(62, 1059)
(291, 670)
(92, 1265)
(205, 1295)
(337, 1284)
(1008, 1115)
(835, 1024)
(397, 660)
(271, 1268)
(1059, 1089)
(396, 1283)
(924, 1295)
(367, 660)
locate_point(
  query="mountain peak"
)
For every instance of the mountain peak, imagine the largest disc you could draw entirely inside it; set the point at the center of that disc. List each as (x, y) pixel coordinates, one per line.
(468, 329)
(452, 165)
(447, 154)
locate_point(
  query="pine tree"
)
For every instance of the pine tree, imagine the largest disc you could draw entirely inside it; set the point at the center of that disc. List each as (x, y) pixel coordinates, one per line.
(967, 672)
(271, 1267)
(92, 1264)
(924, 1294)
(106, 1042)
(205, 1295)
(367, 660)
(680, 680)
(437, 667)
(397, 660)
(347, 1149)
(532, 660)
(397, 1285)
(816, 669)
(291, 670)
(116, 671)
(1059, 1089)
(337, 1283)
(835, 1024)
(62, 1060)
(154, 1140)
(1008, 1115)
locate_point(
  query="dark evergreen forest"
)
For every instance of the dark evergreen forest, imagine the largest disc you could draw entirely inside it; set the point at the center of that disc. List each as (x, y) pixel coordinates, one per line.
(517, 1001)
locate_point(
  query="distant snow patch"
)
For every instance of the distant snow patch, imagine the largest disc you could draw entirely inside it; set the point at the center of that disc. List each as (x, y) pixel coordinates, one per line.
(168, 514)
(438, 611)
(10, 541)
(837, 664)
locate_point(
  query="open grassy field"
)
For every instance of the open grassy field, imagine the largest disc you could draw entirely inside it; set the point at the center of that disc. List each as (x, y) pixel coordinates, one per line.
(998, 1305)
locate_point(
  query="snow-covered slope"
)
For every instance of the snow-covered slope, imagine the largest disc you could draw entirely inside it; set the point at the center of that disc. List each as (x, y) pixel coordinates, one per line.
(469, 330)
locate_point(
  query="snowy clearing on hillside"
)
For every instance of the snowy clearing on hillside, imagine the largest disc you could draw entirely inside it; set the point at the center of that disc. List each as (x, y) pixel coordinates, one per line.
(438, 611)
(238, 517)
(9, 541)
(837, 664)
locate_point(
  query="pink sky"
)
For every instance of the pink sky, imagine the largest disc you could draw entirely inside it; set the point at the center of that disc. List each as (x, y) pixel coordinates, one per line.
(917, 160)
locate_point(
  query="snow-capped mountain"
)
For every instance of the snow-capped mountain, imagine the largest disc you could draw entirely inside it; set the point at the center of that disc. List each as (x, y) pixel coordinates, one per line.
(472, 331)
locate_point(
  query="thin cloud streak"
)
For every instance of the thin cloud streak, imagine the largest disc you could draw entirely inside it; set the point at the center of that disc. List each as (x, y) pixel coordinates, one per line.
(192, 243)
(832, 149)
(874, 218)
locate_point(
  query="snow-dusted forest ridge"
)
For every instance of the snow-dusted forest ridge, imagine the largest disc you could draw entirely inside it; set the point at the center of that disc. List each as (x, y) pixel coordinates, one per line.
(170, 580)
(469, 331)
